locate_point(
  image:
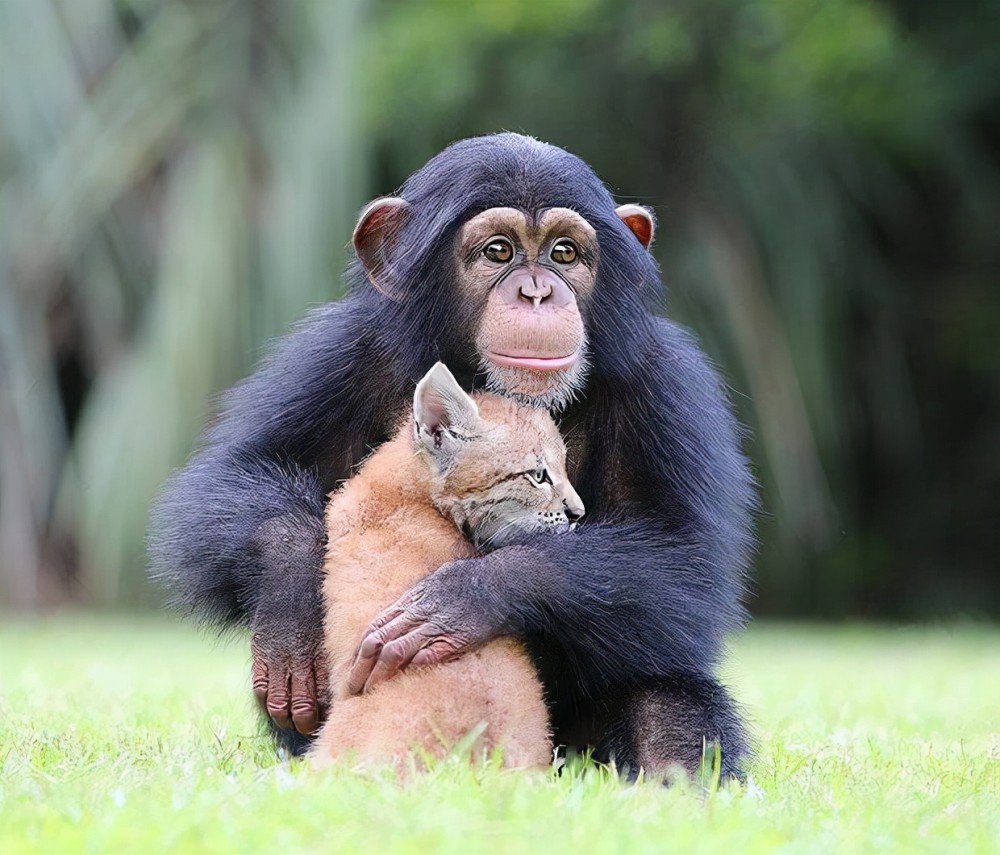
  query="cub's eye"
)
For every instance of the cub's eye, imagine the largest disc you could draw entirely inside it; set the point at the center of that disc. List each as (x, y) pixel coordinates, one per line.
(539, 476)
(499, 250)
(563, 251)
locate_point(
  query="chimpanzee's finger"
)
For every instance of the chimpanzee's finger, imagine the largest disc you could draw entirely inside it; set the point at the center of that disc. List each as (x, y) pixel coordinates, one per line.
(438, 650)
(278, 697)
(303, 705)
(370, 650)
(385, 628)
(391, 613)
(396, 655)
(258, 678)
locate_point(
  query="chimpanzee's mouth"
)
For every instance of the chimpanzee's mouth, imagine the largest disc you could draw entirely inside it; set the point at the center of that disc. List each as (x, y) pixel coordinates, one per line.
(534, 363)
(549, 383)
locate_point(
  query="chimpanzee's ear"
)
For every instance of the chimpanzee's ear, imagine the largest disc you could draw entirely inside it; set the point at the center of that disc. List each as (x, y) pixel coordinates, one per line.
(443, 414)
(640, 221)
(375, 236)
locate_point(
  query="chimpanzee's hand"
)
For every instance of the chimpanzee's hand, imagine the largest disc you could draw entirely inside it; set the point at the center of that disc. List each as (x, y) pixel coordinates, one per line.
(451, 611)
(290, 673)
(290, 679)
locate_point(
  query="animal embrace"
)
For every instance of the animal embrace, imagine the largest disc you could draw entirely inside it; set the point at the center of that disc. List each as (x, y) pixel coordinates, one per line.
(459, 474)
(506, 259)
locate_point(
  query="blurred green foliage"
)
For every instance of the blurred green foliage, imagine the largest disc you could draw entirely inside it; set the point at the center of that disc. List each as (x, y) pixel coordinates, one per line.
(178, 180)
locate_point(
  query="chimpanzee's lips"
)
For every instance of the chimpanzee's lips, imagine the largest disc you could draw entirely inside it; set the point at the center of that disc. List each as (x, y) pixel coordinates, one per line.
(534, 363)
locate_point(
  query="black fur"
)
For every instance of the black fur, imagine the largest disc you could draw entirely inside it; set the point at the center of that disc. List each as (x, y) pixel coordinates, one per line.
(638, 600)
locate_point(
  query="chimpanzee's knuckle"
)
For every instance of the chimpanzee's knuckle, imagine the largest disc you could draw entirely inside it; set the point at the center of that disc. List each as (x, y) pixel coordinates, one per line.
(303, 703)
(303, 709)
(394, 654)
(434, 629)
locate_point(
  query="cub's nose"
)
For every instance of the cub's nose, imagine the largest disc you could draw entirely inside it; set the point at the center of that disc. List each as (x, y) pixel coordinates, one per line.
(573, 508)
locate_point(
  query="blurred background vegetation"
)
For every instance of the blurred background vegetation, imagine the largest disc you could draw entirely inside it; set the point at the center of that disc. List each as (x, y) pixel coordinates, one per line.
(178, 181)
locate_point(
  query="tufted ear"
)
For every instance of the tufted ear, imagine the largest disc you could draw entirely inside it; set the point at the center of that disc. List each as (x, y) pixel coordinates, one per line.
(375, 237)
(443, 414)
(640, 221)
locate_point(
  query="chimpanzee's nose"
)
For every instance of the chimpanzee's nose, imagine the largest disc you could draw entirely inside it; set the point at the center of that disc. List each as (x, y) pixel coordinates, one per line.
(535, 290)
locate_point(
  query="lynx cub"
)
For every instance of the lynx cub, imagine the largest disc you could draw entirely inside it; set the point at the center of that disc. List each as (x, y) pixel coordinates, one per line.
(484, 466)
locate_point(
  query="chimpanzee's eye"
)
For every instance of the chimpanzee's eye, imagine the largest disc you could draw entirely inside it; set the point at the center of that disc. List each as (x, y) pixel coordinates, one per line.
(499, 249)
(563, 251)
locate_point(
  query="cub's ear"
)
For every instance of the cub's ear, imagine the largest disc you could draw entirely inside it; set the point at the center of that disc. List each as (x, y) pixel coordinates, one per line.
(375, 237)
(442, 411)
(640, 221)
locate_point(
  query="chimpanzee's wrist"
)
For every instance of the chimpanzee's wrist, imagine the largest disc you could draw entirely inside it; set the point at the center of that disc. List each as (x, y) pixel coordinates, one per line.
(506, 585)
(287, 552)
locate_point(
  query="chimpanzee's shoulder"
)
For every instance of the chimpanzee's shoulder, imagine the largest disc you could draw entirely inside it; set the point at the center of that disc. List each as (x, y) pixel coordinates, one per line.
(675, 352)
(672, 337)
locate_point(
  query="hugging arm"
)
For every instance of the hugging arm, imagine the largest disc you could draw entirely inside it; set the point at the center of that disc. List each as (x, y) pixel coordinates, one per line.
(625, 602)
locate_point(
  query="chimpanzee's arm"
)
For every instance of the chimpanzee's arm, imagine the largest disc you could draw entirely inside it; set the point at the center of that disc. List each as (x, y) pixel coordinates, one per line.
(626, 602)
(644, 590)
(237, 534)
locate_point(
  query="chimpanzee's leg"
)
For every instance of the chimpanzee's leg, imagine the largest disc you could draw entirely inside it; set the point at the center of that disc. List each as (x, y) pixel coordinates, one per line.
(677, 721)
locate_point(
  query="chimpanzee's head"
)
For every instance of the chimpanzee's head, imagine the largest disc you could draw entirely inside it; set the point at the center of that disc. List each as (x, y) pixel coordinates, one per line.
(509, 256)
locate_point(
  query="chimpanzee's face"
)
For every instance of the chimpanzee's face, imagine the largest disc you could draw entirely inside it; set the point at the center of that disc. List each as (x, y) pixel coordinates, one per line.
(523, 281)
(530, 275)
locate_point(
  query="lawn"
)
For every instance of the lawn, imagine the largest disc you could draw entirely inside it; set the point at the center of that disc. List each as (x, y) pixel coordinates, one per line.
(138, 736)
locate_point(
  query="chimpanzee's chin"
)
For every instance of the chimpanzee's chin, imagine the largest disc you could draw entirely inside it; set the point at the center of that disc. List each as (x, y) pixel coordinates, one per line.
(550, 390)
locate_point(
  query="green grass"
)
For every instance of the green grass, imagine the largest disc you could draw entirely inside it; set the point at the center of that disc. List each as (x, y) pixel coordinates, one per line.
(138, 736)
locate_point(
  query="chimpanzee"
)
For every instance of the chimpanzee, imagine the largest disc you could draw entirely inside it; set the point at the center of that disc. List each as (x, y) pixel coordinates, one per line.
(505, 258)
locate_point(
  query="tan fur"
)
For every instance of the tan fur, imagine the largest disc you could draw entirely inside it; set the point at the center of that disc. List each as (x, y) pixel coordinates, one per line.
(389, 526)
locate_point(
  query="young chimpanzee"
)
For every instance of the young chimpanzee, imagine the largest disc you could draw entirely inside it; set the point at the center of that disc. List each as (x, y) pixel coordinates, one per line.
(507, 259)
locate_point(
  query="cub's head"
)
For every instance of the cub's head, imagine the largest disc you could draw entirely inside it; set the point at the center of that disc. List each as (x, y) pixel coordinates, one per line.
(498, 469)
